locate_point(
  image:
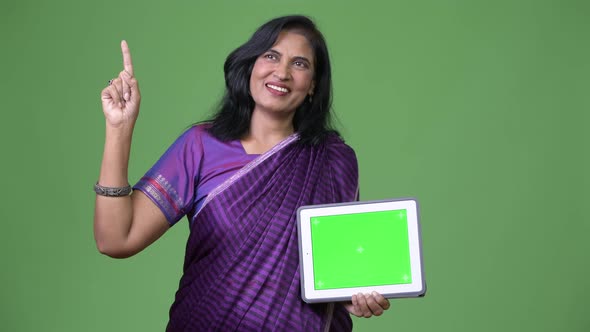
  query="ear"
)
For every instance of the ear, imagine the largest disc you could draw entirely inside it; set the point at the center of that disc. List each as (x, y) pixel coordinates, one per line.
(311, 88)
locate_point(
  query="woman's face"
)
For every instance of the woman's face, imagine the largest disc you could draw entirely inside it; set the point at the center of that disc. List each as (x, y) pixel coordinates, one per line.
(282, 77)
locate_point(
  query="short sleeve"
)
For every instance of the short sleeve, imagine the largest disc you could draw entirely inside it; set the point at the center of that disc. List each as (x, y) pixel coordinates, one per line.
(171, 183)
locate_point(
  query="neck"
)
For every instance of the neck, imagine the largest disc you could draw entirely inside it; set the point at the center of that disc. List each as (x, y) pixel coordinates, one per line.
(266, 130)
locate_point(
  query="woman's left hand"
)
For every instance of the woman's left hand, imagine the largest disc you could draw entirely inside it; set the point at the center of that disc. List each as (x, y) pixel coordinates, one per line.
(367, 305)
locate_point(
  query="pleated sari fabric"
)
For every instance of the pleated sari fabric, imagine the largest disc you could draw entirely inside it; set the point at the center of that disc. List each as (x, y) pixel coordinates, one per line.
(241, 269)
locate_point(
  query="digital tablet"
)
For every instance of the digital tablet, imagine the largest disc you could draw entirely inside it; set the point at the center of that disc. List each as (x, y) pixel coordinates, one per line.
(361, 247)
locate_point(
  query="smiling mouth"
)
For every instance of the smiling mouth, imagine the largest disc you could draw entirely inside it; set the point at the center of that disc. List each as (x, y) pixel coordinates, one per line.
(277, 88)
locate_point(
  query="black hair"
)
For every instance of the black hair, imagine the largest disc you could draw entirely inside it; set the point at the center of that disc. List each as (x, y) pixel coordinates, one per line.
(311, 119)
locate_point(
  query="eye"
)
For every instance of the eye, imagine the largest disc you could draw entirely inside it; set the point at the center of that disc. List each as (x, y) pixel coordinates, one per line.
(301, 64)
(270, 56)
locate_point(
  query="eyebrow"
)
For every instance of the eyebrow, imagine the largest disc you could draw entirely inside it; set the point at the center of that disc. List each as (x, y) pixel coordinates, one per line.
(299, 57)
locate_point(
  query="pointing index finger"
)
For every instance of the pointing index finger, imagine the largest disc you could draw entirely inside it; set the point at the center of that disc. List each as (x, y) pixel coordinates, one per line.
(127, 63)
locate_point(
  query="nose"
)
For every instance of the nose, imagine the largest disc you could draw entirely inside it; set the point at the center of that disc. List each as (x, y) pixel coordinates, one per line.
(282, 71)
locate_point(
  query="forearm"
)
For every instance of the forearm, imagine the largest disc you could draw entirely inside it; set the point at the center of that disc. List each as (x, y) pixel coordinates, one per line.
(113, 215)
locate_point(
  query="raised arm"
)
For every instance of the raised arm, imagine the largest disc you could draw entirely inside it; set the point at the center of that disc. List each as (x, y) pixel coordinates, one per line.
(124, 225)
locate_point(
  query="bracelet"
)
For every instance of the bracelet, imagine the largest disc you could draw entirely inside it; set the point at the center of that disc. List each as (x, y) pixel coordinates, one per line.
(112, 191)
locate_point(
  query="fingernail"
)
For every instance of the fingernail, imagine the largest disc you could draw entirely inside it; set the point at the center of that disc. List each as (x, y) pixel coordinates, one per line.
(126, 96)
(374, 294)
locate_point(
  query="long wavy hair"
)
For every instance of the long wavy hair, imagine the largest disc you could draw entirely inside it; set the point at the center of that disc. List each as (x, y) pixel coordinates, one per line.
(312, 118)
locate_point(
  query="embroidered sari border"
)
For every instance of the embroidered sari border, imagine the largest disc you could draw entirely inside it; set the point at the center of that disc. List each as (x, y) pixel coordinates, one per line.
(250, 166)
(159, 190)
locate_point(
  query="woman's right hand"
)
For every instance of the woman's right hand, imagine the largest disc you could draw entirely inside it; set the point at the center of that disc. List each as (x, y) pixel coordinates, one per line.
(120, 100)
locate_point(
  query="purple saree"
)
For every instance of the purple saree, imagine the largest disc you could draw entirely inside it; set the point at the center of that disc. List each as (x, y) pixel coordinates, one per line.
(241, 270)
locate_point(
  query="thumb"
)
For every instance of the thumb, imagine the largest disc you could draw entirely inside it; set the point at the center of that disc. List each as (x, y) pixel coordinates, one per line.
(133, 86)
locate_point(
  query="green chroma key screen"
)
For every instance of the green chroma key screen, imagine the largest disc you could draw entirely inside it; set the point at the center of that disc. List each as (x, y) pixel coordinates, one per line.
(360, 249)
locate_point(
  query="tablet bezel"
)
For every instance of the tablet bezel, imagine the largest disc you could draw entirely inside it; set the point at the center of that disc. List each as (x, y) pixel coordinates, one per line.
(305, 213)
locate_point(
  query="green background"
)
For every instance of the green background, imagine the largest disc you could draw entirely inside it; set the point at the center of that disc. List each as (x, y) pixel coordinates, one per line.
(360, 249)
(477, 108)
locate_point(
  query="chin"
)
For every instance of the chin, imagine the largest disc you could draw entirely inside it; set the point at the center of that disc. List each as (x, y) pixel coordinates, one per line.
(276, 109)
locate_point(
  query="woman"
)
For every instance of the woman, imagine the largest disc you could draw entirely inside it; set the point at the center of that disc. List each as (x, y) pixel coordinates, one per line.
(239, 179)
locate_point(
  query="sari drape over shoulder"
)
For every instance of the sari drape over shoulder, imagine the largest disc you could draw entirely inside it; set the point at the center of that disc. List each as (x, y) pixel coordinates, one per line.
(241, 269)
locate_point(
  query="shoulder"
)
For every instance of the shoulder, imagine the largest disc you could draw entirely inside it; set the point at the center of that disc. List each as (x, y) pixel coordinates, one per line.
(195, 135)
(337, 147)
(343, 166)
(190, 141)
(197, 131)
(341, 159)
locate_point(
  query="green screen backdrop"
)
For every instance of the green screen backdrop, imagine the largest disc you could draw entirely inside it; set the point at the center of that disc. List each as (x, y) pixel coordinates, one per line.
(477, 108)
